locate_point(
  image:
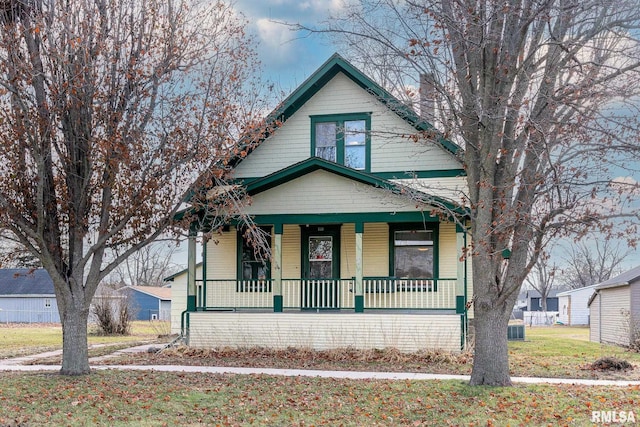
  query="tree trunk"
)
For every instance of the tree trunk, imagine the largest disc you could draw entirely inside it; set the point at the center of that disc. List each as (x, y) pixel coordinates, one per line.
(491, 362)
(75, 352)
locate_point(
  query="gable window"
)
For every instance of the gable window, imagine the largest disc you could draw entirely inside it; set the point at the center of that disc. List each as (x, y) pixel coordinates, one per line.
(414, 257)
(343, 139)
(254, 266)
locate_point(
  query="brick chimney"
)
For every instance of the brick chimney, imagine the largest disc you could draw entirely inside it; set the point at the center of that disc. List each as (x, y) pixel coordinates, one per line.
(427, 98)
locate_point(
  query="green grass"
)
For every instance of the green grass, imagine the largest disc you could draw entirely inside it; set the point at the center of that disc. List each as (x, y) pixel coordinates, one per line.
(122, 398)
(18, 340)
(565, 352)
(128, 398)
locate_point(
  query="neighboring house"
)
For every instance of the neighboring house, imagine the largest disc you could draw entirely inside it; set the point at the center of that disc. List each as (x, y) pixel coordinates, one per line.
(150, 302)
(534, 300)
(178, 285)
(573, 307)
(27, 296)
(355, 262)
(614, 309)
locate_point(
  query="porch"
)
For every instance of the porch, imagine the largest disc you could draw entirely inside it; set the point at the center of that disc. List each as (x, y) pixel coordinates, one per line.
(359, 285)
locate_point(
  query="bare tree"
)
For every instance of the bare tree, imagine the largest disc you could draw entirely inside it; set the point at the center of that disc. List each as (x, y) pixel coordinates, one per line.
(112, 113)
(15, 255)
(543, 278)
(592, 262)
(542, 96)
(148, 266)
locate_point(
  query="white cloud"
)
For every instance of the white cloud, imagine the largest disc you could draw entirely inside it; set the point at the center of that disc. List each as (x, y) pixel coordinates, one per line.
(322, 6)
(272, 34)
(626, 185)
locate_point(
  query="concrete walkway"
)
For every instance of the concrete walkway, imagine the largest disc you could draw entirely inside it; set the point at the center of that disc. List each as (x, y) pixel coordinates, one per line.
(17, 364)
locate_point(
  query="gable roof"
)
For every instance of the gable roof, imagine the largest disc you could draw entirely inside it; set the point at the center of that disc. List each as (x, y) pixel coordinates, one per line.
(532, 293)
(316, 163)
(327, 71)
(154, 291)
(26, 281)
(576, 290)
(179, 273)
(623, 279)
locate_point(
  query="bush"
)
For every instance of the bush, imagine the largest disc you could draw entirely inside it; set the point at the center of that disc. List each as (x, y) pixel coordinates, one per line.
(113, 315)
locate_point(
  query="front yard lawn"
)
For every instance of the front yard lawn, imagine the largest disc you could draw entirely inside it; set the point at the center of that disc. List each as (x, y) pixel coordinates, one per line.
(126, 398)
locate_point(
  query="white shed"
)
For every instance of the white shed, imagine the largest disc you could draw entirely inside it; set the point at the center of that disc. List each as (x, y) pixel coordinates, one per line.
(573, 307)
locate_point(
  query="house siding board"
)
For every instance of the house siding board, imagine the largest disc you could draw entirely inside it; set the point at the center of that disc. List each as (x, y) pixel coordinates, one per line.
(595, 310)
(375, 248)
(564, 308)
(179, 298)
(291, 250)
(572, 306)
(222, 256)
(614, 324)
(145, 306)
(635, 306)
(347, 250)
(390, 150)
(325, 331)
(324, 192)
(26, 309)
(448, 256)
(450, 188)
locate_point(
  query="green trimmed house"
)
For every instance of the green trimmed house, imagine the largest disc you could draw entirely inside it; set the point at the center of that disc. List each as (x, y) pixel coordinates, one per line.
(359, 257)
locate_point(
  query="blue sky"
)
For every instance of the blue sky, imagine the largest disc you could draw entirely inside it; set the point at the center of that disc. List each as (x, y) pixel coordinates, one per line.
(288, 58)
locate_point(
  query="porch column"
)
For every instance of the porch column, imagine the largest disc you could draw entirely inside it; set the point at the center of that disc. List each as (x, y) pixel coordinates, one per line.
(461, 275)
(276, 267)
(191, 270)
(359, 294)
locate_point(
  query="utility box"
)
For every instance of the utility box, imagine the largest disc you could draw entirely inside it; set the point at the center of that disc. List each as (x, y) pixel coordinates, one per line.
(515, 332)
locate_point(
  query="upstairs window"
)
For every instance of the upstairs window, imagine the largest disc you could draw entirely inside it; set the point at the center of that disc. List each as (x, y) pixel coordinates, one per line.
(342, 139)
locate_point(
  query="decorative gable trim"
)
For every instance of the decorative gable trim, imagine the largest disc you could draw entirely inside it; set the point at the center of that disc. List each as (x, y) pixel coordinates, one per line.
(327, 71)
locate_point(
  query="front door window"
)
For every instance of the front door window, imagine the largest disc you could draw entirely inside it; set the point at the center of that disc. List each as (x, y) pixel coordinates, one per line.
(320, 257)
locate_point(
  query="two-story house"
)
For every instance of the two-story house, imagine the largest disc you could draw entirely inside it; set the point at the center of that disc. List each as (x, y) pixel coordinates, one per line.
(364, 223)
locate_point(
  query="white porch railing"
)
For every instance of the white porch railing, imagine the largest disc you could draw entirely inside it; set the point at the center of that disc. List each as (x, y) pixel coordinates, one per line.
(391, 293)
(317, 293)
(233, 294)
(325, 294)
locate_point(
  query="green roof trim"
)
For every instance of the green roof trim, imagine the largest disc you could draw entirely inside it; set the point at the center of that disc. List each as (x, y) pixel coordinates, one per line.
(310, 165)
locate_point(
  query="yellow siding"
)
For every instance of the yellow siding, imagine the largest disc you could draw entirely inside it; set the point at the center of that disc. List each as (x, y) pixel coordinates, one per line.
(448, 256)
(222, 256)
(390, 150)
(347, 250)
(375, 243)
(407, 333)
(614, 322)
(179, 298)
(325, 192)
(291, 250)
(453, 189)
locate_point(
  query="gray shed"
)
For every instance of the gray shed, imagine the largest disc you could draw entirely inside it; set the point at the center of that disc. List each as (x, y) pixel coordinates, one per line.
(27, 296)
(614, 309)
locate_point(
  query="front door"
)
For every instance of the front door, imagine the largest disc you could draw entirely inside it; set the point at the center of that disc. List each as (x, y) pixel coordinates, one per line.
(321, 262)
